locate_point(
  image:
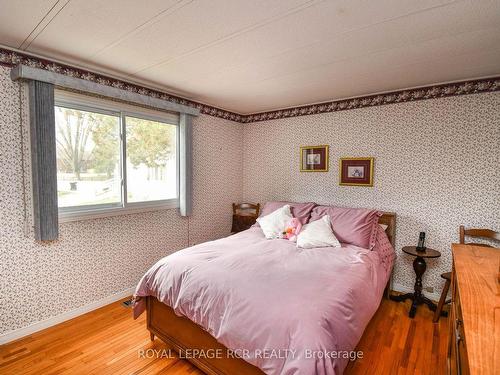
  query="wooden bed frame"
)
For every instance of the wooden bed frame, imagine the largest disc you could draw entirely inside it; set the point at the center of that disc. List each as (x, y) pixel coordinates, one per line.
(183, 335)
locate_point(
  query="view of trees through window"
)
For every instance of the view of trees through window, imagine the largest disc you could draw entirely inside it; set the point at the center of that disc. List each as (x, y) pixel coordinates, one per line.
(151, 162)
(89, 159)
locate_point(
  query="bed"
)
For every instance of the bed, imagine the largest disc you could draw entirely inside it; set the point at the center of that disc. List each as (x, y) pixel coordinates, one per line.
(247, 305)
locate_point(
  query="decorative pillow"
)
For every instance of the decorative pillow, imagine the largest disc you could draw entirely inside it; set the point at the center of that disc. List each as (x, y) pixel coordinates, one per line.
(301, 211)
(317, 234)
(356, 226)
(273, 225)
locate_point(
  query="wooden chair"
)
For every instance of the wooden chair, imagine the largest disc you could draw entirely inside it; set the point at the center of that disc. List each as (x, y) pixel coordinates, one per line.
(476, 233)
(244, 216)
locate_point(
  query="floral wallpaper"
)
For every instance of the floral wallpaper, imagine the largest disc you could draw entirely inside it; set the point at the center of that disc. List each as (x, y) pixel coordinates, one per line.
(94, 259)
(436, 165)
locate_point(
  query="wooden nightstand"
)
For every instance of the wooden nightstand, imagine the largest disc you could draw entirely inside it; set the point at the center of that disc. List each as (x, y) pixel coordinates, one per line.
(244, 216)
(419, 267)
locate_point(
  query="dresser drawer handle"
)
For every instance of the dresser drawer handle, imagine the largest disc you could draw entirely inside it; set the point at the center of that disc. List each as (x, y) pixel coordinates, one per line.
(458, 338)
(458, 323)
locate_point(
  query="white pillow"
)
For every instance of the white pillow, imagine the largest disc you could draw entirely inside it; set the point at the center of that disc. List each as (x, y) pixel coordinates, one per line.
(319, 233)
(273, 225)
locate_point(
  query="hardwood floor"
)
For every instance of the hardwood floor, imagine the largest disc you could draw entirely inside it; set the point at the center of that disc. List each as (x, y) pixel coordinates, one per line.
(108, 341)
(395, 344)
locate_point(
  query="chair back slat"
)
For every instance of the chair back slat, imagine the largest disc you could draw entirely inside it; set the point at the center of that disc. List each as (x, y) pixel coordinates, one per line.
(478, 233)
(246, 208)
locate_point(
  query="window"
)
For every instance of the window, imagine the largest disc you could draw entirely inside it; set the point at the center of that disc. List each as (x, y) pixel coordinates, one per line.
(151, 160)
(113, 158)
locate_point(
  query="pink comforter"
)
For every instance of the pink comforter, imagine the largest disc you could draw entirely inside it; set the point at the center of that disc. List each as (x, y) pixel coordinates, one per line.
(285, 310)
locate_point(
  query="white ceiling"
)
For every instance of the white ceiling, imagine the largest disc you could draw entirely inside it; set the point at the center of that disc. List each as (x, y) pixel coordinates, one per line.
(252, 56)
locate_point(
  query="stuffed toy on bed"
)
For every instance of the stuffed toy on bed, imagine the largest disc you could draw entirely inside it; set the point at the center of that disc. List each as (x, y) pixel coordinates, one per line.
(292, 229)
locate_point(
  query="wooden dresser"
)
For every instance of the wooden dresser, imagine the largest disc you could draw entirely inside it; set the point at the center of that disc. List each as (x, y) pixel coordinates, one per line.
(474, 344)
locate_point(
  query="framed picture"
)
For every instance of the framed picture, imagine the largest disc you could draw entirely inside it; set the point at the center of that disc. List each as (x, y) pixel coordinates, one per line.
(314, 158)
(356, 171)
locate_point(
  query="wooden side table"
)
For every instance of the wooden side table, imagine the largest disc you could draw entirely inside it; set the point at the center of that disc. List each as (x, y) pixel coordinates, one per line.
(419, 266)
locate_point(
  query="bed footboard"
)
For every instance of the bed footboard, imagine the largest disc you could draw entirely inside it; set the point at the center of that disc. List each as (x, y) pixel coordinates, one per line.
(183, 336)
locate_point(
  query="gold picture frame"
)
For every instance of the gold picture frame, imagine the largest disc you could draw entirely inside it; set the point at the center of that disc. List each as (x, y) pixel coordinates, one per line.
(363, 167)
(314, 158)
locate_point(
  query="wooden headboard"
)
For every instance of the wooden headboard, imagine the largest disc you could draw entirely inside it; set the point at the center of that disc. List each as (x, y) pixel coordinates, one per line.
(389, 219)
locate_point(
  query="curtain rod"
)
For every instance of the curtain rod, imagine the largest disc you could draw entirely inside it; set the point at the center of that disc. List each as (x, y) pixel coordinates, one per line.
(24, 72)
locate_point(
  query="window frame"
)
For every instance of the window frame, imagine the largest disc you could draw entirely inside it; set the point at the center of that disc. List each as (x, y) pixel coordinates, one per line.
(84, 212)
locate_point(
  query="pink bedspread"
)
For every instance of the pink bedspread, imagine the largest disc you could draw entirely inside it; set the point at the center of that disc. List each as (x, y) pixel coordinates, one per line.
(285, 310)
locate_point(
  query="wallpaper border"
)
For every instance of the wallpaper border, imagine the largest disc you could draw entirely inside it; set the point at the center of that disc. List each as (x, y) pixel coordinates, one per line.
(398, 96)
(11, 58)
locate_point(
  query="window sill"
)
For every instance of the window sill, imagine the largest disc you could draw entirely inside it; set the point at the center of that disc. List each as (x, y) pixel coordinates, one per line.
(65, 217)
